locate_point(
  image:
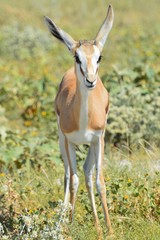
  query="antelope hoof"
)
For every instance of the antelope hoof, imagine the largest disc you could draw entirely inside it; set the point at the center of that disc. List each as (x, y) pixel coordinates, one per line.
(99, 231)
(110, 234)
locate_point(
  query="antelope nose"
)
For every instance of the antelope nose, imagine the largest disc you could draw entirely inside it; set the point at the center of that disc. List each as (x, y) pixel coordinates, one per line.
(90, 84)
(91, 78)
(88, 81)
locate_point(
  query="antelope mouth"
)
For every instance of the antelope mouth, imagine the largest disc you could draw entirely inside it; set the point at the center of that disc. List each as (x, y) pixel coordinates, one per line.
(90, 85)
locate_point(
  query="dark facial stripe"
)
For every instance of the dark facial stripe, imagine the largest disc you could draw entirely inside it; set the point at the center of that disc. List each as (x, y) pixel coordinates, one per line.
(82, 71)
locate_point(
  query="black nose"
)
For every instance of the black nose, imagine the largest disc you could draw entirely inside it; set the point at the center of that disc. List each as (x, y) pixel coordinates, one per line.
(91, 83)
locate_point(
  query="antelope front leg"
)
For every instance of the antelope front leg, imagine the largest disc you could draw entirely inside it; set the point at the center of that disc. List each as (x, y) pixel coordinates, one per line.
(66, 165)
(74, 180)
(88, 171)
(101, 188)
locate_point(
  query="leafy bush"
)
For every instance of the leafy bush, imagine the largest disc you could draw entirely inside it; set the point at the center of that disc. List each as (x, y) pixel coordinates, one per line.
(23, 43)
(135, 105)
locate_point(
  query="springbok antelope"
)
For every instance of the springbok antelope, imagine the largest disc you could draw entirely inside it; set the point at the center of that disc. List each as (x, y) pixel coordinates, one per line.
(82, 105)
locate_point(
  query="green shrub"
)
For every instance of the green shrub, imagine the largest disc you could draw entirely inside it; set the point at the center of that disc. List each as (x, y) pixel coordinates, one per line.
(135, 105)
(23, 43)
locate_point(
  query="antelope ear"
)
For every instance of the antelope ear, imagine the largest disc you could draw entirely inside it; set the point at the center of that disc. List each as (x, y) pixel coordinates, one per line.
(60, 34)
(105, 29)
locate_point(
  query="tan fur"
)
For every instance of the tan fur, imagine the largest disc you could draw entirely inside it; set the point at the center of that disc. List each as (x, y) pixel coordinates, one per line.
(68, 104)
(98, 105)
(88, 48)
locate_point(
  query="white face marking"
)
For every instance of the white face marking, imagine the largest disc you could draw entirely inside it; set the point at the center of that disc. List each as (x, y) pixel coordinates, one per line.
(87, 67)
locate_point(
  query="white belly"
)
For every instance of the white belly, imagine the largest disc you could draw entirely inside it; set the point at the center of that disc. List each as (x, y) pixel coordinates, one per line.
(83, 137)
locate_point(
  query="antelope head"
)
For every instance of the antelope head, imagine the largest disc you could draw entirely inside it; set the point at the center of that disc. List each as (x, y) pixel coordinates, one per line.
(87, 54)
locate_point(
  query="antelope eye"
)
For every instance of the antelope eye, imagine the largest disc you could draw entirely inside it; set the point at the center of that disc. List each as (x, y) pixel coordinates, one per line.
(99, 59)
(77, 59)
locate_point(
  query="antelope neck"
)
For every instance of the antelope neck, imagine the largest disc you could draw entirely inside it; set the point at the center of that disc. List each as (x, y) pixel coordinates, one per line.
(81, 101)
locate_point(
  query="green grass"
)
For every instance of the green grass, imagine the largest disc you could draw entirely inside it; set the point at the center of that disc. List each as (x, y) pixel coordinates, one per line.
(31, 198)
(32, 64)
